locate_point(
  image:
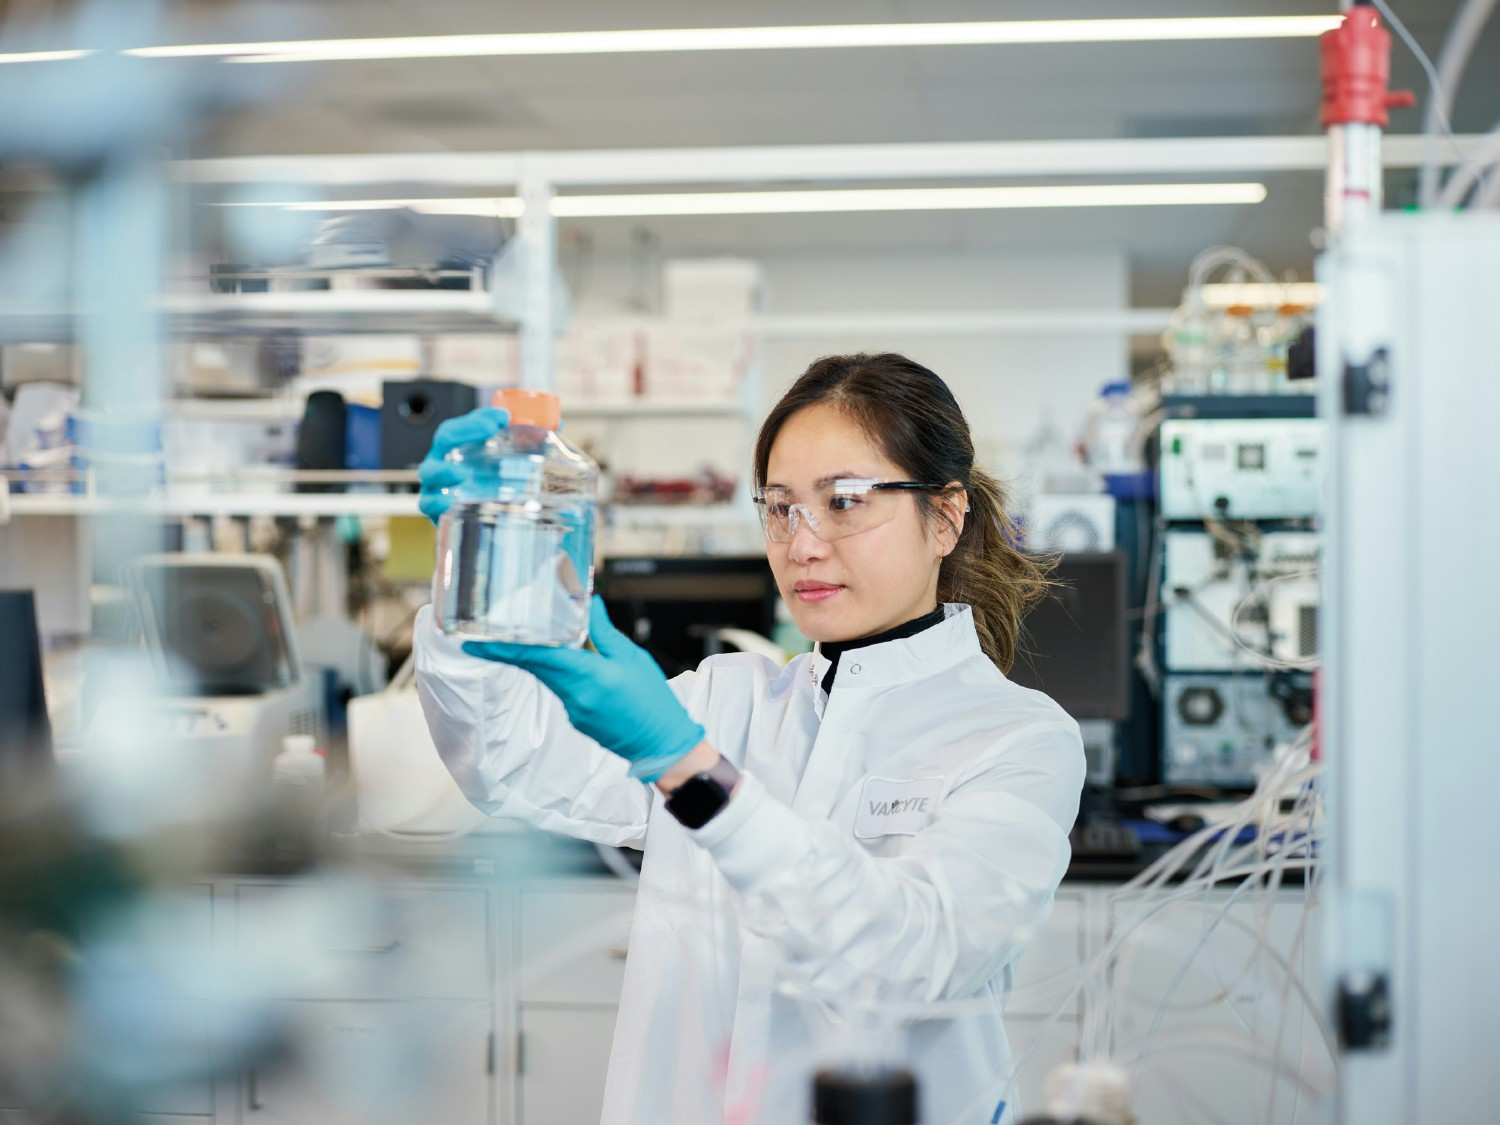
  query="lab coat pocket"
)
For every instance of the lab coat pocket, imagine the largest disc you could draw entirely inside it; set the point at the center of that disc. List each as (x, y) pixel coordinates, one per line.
(896, 806)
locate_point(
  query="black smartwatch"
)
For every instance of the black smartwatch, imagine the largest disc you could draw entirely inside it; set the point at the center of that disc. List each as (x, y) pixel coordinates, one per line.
(698, 799)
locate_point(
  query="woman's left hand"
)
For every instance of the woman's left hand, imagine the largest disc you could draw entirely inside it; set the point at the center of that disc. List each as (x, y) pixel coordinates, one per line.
(618, 696)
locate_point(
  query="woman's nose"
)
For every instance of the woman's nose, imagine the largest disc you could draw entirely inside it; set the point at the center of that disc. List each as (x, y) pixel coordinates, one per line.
(805, 544)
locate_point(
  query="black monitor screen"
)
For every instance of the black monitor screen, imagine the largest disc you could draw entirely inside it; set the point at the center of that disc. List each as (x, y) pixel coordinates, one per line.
(671, 606)
(25, 731)
(1073, 643)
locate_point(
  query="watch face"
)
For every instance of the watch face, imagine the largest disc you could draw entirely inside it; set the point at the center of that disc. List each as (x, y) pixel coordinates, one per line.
(696, 800)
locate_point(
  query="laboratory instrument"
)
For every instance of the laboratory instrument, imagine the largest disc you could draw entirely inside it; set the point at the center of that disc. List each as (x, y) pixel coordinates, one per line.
(1070, 521)
(410, 413)
(1245, 468)
(1240, 600)
(219, 631)
(1222, 729)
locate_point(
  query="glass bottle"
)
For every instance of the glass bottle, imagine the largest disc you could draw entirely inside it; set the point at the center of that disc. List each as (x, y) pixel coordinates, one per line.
(1188, 344)
(1241, 355)
(515, 552)
(1110, 431)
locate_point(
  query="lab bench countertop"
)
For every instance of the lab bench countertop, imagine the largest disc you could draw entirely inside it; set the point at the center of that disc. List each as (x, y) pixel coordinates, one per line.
(523, 854)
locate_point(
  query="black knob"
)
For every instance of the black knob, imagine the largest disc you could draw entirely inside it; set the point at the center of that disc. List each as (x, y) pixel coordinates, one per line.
(865, 1097)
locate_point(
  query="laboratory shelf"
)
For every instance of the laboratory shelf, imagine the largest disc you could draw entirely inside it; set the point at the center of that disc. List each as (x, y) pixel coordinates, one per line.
(678, 515)
(655, 408)
(269, 492)
(318, 312)
(336, 311)
(264, 496)
(219, 504)
(288, 408)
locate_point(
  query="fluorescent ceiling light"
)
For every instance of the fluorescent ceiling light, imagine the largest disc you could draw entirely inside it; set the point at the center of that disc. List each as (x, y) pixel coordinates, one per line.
(761, 38)
(802, 202)
(42, 56)
(1259, 294)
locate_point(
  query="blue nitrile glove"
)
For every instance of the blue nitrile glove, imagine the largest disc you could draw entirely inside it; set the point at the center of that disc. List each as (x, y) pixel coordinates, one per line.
(438, 476)
(617, 695)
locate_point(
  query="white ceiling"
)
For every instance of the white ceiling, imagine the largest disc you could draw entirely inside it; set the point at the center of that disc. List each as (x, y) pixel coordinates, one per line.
(1246, 88)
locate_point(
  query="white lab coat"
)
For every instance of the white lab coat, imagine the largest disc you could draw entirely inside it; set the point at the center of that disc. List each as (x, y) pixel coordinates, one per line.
(899, 837)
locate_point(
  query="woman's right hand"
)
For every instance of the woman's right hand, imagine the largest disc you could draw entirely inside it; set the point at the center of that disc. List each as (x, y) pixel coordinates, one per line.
(439, 475)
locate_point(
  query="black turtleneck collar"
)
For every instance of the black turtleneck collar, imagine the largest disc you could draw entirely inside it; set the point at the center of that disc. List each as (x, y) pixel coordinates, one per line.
(834, 649)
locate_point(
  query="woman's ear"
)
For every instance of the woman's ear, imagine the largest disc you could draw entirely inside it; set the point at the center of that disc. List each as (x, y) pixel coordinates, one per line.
(954, 506)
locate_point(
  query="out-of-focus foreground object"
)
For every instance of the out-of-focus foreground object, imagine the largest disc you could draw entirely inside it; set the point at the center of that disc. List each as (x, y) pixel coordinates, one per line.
(1408, 720)
(1407, 355)
(25, 728)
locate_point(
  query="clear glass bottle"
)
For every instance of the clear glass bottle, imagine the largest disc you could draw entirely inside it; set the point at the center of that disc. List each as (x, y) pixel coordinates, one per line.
(1241, 354)
(1189, 345)
(1110, 431)
(515, 552)
(1290, 320)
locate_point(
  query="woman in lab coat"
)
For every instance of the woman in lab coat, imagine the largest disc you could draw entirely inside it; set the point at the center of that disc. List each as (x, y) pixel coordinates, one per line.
(885, 818)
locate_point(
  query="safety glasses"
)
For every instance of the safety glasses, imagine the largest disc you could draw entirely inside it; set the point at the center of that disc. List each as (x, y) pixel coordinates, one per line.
(836, 509)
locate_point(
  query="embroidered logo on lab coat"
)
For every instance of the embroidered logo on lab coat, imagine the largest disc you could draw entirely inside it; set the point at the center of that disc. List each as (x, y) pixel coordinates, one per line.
(896, 807)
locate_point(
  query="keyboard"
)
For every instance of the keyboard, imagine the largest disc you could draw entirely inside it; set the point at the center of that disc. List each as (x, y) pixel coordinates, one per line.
(1104, 842)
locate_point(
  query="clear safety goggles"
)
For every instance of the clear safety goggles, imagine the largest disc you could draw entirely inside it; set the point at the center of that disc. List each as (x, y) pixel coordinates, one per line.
(836, 509)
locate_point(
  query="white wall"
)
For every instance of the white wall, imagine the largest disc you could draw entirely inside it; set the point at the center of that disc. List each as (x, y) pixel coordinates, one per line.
(1005, 382)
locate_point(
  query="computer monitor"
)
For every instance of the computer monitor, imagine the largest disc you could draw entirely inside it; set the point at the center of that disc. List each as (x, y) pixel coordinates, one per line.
(1073, 643)
(25, 730)
(671, 606)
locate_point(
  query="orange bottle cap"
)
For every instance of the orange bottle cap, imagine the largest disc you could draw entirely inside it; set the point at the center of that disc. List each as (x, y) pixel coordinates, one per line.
(529, 408)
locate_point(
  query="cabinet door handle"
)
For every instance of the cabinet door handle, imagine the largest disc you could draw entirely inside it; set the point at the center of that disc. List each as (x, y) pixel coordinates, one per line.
(367, 950)
(619, 952)
(252, 1092)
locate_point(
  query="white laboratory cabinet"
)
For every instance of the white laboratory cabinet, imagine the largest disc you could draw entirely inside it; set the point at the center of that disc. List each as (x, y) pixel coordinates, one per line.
(470, 1003)
(1041, 1020)
(563, 1054)
(362, 1057)
(502, 998)
(573, 945)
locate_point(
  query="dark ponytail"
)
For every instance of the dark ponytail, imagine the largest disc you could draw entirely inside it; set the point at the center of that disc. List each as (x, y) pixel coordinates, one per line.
(912, 416)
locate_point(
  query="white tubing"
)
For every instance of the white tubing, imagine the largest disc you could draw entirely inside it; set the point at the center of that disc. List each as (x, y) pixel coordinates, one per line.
(1464, 176)
(1463, 33)
(1216, 256)
(1489, 200)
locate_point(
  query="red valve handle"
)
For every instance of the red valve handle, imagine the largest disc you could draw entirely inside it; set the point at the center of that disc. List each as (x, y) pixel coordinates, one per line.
(1356, 69)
